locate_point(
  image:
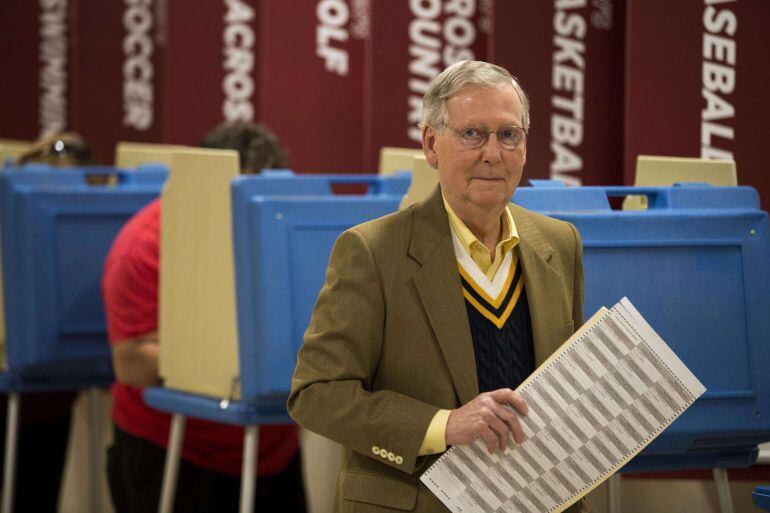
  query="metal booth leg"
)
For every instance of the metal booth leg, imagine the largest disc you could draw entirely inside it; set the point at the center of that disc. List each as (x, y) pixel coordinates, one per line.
(94, 448)
(11, 444)
(249, 470)
(723, 490)
(171, 468)
(613, 493)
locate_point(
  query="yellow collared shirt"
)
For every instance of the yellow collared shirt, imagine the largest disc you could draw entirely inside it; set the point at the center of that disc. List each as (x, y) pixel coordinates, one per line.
(489, 262)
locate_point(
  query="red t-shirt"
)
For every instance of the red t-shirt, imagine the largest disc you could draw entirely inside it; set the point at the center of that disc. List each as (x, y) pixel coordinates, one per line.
(130, 288)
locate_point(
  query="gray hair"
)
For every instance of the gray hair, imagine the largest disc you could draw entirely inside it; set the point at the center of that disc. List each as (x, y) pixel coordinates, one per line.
(460, 75)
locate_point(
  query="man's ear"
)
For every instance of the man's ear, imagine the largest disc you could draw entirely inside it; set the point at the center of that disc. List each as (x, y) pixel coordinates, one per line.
(429, 145)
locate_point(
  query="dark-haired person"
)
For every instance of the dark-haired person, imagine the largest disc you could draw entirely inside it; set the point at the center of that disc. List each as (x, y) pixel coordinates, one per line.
(257, 147)
(209, 474)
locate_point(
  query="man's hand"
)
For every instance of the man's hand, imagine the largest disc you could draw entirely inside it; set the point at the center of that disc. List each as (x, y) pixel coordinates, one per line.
(488, 418)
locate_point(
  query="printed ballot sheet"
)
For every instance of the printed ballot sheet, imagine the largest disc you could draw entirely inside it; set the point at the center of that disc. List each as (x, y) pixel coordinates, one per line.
(608, 392)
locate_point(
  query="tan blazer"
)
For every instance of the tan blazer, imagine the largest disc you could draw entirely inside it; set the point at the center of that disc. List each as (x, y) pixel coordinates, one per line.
(389, 343)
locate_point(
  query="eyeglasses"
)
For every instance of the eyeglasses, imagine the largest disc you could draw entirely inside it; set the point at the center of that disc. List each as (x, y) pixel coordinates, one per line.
(509, 137)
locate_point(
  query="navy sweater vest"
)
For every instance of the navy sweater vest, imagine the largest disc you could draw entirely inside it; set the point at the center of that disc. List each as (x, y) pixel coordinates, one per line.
(502, 335)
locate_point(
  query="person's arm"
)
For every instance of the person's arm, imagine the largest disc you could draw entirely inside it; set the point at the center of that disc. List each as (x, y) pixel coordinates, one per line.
(130, 294)
(332, 388)
(135, 361)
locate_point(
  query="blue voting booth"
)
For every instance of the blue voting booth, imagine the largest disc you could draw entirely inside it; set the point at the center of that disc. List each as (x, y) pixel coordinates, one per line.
(761, 497)
(56, 232)
(57, 229)
(696, 264)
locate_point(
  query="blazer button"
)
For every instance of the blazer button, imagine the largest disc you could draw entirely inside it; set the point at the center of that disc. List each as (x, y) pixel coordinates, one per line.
(391, 456)
(399, 460)
(375, 449)
(383, 453)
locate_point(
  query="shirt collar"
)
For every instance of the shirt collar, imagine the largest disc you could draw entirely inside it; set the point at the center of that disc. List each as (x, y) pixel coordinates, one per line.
(510, 235)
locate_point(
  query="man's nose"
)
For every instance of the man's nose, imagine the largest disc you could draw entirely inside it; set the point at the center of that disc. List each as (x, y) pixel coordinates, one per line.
(492, 152)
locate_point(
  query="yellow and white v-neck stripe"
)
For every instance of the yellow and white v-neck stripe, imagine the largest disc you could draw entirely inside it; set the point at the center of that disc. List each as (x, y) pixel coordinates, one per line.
(494, 299)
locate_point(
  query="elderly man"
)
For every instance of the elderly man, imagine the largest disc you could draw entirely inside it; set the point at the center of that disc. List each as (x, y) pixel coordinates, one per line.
(430, 317)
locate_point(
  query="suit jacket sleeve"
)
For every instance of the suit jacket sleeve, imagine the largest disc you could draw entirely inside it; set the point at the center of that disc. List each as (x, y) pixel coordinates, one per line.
(333, 391)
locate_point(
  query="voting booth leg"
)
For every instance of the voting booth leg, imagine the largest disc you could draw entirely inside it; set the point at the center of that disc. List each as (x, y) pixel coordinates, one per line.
(171, 469)
(723, 490)
(11, 444)
(249, 470)
(94, 447)
(613, 493)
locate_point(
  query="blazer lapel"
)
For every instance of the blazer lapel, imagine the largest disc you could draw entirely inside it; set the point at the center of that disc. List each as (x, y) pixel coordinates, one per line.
(543, 285)
(438, 286)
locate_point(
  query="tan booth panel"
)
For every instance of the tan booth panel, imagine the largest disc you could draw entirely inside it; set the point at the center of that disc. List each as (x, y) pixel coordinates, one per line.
(130, 154)
(396, 159)
(424, 179)
(764, 454)
(197, 330)
(75, 491)
(664, 171)
(12, 148)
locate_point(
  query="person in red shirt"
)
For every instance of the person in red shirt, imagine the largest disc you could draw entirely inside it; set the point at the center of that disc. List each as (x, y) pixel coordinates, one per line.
(209, 475)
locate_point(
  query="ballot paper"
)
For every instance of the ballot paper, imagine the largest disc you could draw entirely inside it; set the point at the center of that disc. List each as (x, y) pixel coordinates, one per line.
(600, 399)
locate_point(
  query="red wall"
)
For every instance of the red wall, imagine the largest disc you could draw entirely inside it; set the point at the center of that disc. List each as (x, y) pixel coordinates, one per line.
(338, 79)
(27, 77)
(311, 80)
(696, 79)
(116, 74)
(412, 42)
(569, 58)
